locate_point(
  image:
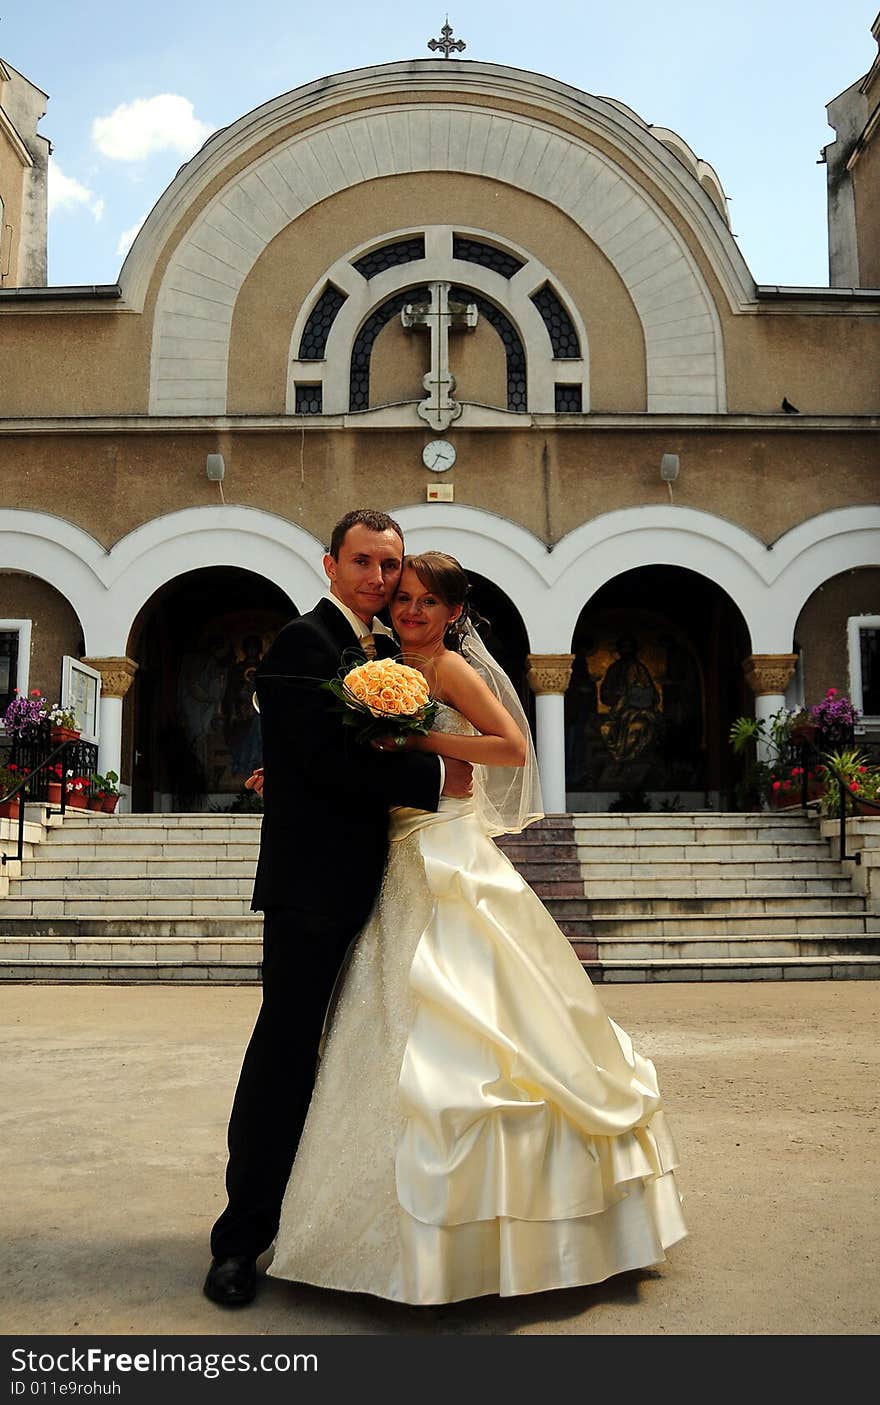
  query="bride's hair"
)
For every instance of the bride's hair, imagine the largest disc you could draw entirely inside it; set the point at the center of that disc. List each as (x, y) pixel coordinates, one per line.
(447, 578)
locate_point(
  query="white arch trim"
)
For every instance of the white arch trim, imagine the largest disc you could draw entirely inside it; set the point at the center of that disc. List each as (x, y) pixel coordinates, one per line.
(107, 589)
(196, 301)
(512, 294)
(769, 584)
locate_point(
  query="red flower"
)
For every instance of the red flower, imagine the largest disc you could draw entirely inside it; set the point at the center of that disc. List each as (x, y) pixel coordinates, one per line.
(863, 768)
(777, 785)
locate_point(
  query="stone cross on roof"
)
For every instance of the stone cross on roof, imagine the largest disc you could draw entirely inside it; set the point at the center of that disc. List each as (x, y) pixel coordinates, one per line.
(446, 42)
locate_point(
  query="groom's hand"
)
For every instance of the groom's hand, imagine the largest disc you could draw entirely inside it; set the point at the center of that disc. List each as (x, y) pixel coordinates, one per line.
(255, 781)
(459, 783)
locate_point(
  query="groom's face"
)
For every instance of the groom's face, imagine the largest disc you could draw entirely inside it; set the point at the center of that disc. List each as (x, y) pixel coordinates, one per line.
(365, 574)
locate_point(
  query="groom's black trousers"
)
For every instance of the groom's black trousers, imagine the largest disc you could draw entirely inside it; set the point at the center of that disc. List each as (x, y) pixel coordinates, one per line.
(302, 956)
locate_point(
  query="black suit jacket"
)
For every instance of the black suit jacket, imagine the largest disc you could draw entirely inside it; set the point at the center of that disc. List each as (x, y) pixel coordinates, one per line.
(326, 797)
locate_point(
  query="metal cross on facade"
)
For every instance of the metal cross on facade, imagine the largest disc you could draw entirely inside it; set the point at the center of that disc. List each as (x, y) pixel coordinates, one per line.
(446, 42)
(440, 316)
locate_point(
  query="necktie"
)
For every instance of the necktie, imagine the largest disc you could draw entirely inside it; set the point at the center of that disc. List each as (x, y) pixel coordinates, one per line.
(368, 644)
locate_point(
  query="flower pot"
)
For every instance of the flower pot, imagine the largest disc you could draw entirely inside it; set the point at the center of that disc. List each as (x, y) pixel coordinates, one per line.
(53, 793)
(63, 734)
(77, 800)
(867, 810)
(96, 802)
(109, 803)
(9, 808)
(804, 732)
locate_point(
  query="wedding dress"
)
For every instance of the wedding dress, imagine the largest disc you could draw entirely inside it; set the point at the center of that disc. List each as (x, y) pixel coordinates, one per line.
(478, 1124)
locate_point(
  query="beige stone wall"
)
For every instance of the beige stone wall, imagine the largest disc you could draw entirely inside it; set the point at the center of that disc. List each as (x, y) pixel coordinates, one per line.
(866, 190)
(55, 364)
(11, 195)
(56, 629)
(548, 481)
(399, 361)
(821, 630)
(299, 255)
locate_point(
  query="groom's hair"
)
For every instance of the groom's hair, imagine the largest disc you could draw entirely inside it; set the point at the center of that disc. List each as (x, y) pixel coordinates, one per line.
(368, 517)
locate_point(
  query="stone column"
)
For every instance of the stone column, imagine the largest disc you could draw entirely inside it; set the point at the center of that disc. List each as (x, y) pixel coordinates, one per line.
(549, 676)
(116, 679)
(769, 675)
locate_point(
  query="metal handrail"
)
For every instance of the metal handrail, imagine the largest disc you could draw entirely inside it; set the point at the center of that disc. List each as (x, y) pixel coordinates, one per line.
(844, 794)
(21, 791)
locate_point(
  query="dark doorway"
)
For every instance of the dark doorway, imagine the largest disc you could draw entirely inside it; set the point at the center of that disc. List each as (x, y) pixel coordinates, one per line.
(192, 735)
(656, 682)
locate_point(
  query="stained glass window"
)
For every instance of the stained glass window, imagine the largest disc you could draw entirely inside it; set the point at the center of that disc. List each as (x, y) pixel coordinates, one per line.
(563, 337)
(513, 347)
(475, 251)
(313, 342)
(403, 251)
(309, 399)
(569, 399)
(359, 380)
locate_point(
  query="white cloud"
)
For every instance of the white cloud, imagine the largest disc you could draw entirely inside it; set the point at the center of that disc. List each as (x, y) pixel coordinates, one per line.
(67, 193)
(127, 237)
(135, 130)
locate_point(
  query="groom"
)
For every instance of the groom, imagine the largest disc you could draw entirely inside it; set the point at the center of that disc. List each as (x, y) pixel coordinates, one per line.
(323, 848)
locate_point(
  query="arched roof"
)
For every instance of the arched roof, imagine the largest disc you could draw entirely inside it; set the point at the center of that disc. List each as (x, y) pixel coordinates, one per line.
(520, 128)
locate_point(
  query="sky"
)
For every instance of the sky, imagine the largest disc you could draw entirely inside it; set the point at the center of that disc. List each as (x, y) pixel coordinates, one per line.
(135, 89)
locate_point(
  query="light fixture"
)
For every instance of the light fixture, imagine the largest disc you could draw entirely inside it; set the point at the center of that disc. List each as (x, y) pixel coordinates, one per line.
(669, 471)
(215, 468)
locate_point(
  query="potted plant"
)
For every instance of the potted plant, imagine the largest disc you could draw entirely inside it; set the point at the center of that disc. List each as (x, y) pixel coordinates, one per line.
(9, 778)
(835, 718)
(787, 788)
(53, 784)
(63, 724)
(860, 779)
(774, 733)
(24, 715)
(77, 790)
(105, 792)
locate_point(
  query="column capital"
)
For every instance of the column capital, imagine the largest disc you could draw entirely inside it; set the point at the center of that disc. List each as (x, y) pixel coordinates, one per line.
(769, 673)
(549, 673)
(116, 675)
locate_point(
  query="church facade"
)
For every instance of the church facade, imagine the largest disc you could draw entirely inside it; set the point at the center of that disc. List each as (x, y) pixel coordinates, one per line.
(513, 315)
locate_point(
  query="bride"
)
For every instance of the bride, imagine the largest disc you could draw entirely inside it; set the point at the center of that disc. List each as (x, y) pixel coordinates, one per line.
(478, 1124)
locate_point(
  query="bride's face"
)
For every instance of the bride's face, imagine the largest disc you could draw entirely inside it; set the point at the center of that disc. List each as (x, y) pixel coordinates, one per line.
(419, 616)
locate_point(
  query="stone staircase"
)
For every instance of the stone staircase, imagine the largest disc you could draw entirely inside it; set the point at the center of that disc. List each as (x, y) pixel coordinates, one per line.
(128, 898)
(702, 896)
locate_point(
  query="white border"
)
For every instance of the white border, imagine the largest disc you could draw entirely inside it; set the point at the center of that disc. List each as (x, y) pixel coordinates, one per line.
(854, 624)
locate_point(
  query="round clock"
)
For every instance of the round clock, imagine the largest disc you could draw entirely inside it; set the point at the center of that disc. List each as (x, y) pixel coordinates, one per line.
(438, 455)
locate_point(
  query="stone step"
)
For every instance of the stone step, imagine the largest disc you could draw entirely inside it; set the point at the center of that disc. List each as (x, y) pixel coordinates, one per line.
(231, 928)
(735, 851)
(53, 868)
(633, 927)
(740, 968)
(675, 819)
(242, 949)
(181, 905)
(114, 888)
(121, 853)
(769, 968)
(710, 895)
(696, 871)
(97, 840)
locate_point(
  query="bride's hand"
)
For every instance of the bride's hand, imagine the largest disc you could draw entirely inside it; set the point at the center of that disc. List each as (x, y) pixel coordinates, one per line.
(410, 743)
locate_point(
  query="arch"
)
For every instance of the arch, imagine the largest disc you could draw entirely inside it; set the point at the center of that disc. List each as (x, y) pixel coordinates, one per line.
(196, 300)
(514, 294)
(767, 583)
(107, 589)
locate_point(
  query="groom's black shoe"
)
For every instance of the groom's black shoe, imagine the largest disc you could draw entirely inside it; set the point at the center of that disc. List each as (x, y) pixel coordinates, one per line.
(232, 1281)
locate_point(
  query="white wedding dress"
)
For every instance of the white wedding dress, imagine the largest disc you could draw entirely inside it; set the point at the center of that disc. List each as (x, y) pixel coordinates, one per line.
(478, 1124)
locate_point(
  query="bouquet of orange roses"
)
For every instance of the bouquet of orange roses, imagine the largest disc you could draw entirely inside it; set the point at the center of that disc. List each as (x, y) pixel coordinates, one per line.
(384, 698)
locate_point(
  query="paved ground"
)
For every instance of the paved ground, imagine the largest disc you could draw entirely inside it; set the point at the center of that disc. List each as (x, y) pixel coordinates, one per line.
(112, 1150)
